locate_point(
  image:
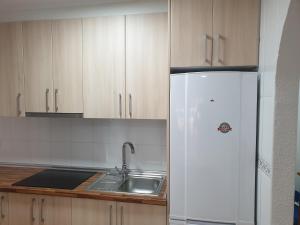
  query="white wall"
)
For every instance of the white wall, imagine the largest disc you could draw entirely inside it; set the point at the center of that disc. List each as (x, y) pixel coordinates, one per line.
(297, 178)
(273, 14)
(82, 142)
(286, 113)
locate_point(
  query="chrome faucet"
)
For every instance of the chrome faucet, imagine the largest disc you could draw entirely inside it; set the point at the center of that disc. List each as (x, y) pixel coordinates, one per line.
(124, 172)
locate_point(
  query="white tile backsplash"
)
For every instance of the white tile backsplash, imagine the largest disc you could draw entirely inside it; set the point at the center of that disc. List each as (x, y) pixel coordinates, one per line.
(82, 142)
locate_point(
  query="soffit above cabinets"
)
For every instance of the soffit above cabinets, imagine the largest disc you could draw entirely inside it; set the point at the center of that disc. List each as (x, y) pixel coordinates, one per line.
(20, 10)
(13, 5)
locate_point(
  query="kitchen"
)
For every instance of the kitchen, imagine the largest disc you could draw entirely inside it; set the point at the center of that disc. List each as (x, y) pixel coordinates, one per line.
(97, 126)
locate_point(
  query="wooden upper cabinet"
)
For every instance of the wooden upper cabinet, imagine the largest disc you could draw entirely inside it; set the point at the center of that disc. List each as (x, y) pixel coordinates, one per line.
(139, 214)
(104, 67)
(67, 66)
(236, 32)
(37, 42)
(191, 29)
(214, 33)
(147, 66)
(93, 212)
(11, 70)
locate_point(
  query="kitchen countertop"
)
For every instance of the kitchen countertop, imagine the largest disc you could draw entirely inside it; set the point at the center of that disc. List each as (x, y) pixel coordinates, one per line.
(10, 175)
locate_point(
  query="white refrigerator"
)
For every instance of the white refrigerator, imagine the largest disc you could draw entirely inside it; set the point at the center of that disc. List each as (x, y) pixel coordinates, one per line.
(213, 148)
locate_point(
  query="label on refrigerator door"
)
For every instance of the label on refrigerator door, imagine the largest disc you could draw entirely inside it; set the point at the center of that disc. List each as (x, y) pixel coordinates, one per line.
(224, 128)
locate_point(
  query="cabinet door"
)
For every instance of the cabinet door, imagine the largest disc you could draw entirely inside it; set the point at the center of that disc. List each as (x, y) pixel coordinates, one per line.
(55, 210)
(236, 34)
(191, 33)
(147, 66)
(67, 66)
(11, 74)
(23, 209)
(139, 214)
(93, 212)
(4, 213)
(37, 42)
(104, 67)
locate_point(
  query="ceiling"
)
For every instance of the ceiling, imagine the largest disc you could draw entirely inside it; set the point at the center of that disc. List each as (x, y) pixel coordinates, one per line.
(21, 5)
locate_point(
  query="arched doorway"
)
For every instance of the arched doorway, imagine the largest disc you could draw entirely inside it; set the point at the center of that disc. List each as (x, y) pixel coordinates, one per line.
(285, 119)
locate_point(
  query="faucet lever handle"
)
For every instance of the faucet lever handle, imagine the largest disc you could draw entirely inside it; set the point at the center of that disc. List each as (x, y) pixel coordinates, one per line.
(118, 170)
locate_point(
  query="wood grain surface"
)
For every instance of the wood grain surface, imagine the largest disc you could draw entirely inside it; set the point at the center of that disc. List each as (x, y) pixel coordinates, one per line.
(11, 175)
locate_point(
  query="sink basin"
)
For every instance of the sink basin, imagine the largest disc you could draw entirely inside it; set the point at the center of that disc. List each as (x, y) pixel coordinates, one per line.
(140, 185)
(133, 184)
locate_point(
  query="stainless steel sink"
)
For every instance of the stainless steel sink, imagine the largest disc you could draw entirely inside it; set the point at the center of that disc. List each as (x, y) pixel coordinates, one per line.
(133, 184)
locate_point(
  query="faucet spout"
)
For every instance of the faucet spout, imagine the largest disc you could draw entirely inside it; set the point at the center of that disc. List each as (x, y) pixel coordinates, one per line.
(124, 161)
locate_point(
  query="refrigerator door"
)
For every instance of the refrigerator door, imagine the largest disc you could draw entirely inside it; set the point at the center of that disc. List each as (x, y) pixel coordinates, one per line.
(213, 147)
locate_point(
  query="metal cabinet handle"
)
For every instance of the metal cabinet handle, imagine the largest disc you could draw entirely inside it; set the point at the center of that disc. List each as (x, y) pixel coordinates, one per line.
(110, 214)
(56, 104)
(122, 215)
(42, 211)
(220, 40)
(47, 100)
(2, 211)
(32, 209)
(130, 105)
(207, 60)
(19, 112)
(120, 105)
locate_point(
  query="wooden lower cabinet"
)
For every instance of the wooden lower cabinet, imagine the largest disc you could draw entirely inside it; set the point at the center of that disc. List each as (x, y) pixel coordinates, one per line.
(140, 214)
(93, 212)
(3, 209)
(39, 210)
(96, 212)
(26, 209)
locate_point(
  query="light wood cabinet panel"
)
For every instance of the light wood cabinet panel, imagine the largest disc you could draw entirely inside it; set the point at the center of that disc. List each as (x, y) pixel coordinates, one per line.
(11, 70)
(93, 212)
(37, 43)
(138, 214)
(147, 66)
(55, 210)
(104, 67)
(4, 212)
(67, 66)
(23, 209)
(191, 33)
(46, 210)
(37, 210)
(236, 32)
(62, 211)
